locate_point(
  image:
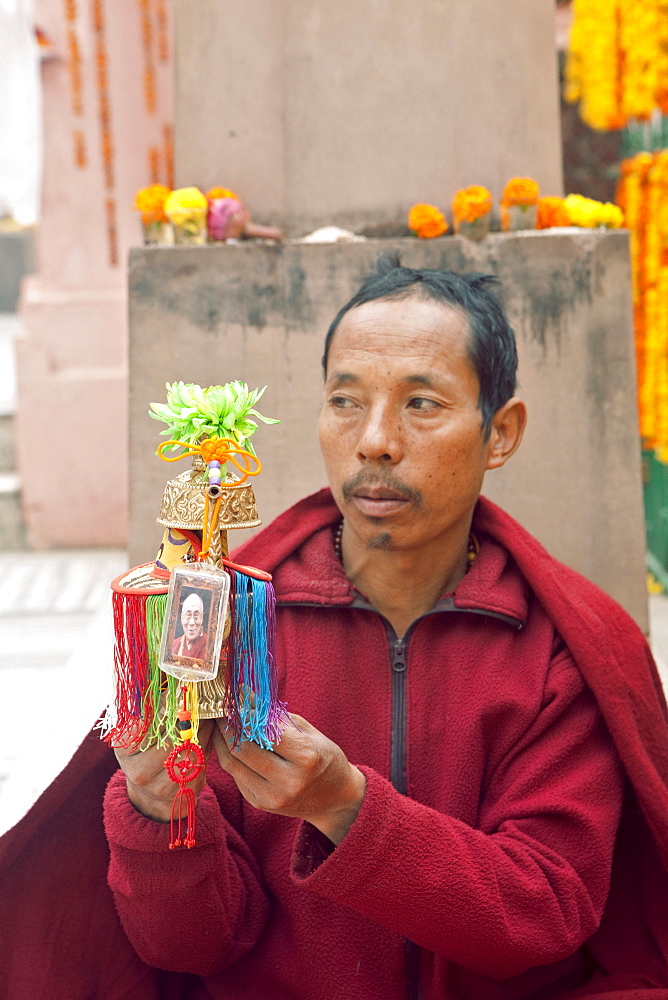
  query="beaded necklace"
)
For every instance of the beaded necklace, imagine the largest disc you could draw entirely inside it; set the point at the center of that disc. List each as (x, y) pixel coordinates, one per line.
(471, 553)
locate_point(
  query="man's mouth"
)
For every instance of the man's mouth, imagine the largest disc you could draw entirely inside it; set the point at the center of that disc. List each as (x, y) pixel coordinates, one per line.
(379, 501)
(379, 493)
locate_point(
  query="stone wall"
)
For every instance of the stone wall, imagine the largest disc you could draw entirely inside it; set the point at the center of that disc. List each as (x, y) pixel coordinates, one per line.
(259, 313)
(347, 113)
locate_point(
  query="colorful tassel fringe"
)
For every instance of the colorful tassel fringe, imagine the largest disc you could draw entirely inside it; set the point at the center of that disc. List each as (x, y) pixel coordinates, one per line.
(253, 708)
(147, 700)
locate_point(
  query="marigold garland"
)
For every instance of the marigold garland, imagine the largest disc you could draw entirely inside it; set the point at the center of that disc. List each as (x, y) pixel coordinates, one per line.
(107, 147)
(643, 195)
(427, 221)
(74, 65)
(617, 63)
(147, 35)
(471, 203)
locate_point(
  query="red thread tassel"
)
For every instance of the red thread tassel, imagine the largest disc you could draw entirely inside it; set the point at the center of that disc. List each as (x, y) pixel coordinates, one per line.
(131, 663)
(176, 821)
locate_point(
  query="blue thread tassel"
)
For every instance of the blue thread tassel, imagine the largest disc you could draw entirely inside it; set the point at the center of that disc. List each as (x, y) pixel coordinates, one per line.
(257, 714)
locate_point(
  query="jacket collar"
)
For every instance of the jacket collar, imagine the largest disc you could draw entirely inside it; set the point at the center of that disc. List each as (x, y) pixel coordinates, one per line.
(298, 549)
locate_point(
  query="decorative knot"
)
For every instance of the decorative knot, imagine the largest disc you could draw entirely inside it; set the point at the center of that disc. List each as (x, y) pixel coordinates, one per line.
(217, 450)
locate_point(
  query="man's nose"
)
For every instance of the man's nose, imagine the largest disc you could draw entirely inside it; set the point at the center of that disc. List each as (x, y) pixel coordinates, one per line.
(380, 437)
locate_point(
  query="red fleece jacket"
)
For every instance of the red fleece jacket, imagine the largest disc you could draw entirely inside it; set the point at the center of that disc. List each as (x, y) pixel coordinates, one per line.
(497, 861)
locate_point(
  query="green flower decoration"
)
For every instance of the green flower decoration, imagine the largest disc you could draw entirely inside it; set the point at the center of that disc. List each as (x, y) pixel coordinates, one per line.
(192, 413)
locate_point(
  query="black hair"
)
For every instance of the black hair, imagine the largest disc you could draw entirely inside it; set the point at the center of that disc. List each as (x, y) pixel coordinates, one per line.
(492, 350)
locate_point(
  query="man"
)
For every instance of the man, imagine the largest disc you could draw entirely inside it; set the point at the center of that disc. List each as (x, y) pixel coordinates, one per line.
(443, 819)
(193, 641)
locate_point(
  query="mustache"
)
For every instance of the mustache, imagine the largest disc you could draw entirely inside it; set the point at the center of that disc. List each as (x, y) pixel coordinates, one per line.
(386, 480)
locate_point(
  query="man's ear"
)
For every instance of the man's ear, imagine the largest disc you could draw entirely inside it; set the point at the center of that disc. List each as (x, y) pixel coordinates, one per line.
(506, 433)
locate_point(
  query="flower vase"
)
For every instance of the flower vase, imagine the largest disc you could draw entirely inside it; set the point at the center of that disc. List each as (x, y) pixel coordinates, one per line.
(517, 217)
(155, 233)
(477, 229)
(192, 232)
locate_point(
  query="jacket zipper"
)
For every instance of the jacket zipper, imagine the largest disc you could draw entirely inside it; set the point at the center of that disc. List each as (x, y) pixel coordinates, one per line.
(399, 781)
(398, 731)
(398, 776)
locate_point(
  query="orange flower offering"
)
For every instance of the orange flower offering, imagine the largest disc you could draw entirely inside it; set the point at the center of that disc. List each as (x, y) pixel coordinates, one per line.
(150, 201)
(218, 192)
(642, 195)
(552, 212)
(520, 191)
(471, 203)
(427, 221)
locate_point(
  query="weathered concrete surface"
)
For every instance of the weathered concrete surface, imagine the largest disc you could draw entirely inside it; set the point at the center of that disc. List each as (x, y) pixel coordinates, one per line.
(348, 113)
(259, 313)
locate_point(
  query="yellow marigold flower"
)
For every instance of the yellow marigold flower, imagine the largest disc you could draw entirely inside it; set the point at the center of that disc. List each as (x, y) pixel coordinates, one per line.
(551, 212)
(427, 221)
(218, 192)
(186, 205)
(611, 216)
(590, 214)
(471, 203)
(520, 191)
(150, 201)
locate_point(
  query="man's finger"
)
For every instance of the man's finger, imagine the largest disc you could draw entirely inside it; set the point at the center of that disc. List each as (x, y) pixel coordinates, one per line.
(247, 778)
(249, 752)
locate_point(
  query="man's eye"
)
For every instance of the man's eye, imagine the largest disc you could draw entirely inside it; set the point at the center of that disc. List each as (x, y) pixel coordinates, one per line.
(421, 403)
(340, 402)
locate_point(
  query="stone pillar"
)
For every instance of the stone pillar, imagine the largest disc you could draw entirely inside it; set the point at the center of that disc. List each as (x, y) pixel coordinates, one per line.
(347, 113)
(260, 313)
(107, 101)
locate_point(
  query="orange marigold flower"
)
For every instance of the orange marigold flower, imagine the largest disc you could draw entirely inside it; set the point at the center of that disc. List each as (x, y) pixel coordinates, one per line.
(427, 221)
(218, 192)
(471, 203)
(150, 201)
(552, 212)
(520, 191)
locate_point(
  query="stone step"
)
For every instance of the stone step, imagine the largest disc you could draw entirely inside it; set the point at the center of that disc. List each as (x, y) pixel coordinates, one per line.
(12, 528)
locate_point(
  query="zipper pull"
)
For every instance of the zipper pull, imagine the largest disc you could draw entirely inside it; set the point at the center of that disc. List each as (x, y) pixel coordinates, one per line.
(399, 656)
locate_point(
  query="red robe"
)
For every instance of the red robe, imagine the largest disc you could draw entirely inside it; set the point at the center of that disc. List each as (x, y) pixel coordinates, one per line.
(327, 906)
(196, 651)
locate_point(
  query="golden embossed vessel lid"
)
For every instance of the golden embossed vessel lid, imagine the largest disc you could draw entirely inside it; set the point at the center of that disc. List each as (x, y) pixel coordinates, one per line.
(183, 501)
(193, 614)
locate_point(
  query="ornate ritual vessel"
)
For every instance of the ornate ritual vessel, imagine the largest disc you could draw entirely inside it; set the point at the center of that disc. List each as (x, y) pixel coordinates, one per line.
(194, 632)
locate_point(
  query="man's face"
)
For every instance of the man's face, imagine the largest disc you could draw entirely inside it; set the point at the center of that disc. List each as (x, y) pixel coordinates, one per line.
(192, 613)
(400, 429)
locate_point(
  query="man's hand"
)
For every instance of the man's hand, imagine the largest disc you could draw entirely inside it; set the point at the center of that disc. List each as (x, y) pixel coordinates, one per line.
(306, 776)
(150, 789)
